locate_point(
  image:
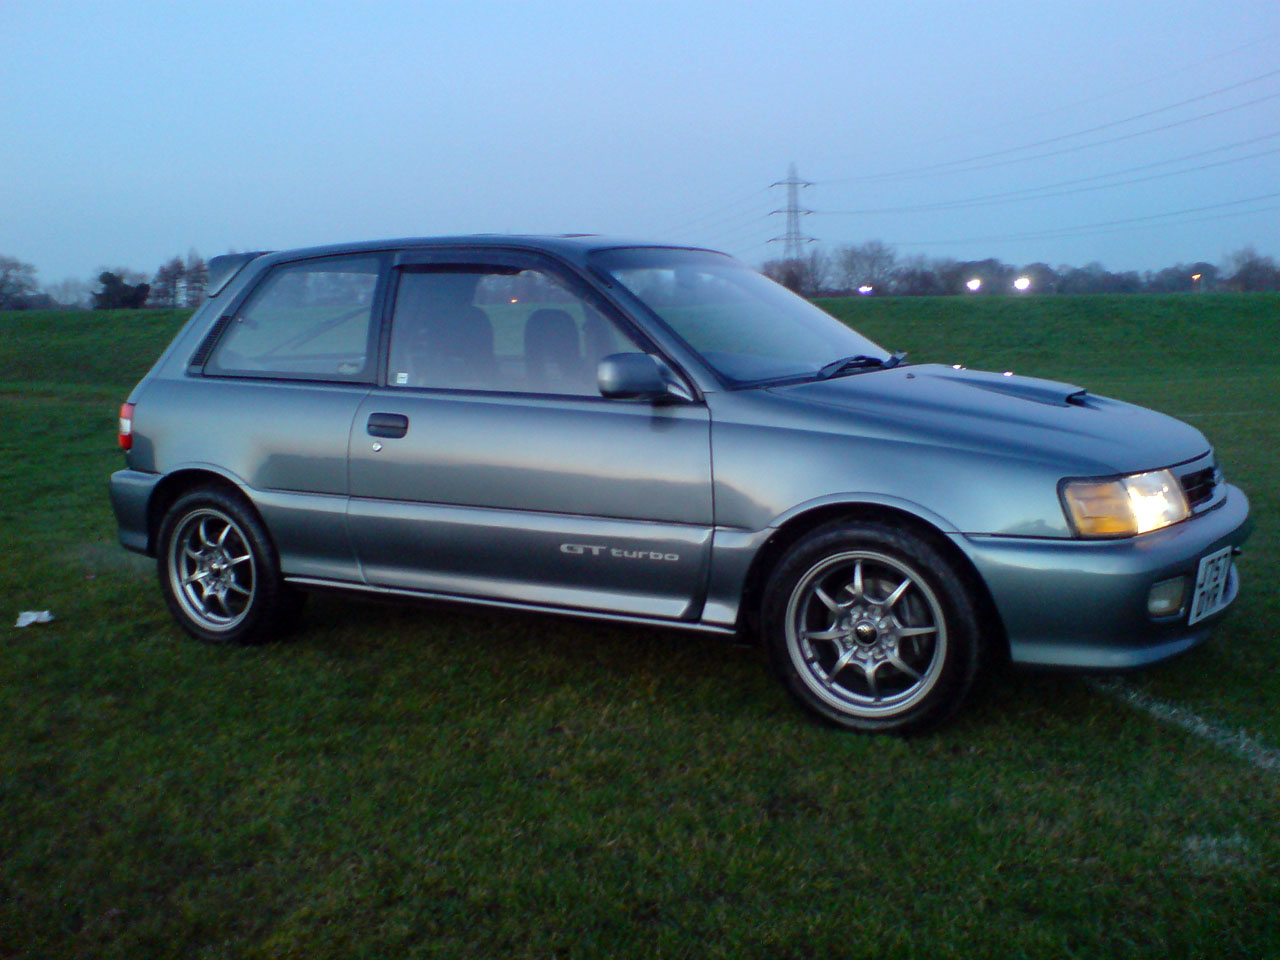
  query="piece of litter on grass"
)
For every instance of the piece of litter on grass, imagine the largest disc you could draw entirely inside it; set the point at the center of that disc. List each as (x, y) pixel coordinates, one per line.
(27, 617)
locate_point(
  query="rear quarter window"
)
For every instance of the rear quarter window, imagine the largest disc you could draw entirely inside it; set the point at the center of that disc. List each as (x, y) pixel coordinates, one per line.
(310, 320)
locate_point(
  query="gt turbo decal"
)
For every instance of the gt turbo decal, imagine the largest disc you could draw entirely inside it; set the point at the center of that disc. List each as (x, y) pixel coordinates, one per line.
(600, 550)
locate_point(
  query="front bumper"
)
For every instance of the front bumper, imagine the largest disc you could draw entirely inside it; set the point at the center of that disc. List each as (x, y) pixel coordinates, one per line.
(1083, 604)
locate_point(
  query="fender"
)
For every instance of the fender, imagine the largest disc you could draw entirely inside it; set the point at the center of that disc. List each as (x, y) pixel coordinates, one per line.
(864, 498)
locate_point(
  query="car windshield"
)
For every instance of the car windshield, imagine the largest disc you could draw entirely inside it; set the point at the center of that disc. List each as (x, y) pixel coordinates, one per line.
(749, 329)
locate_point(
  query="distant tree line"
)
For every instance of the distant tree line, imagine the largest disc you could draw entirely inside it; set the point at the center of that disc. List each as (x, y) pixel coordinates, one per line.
(874, 268)
(180, 283)
(18, 286)
(177, 282)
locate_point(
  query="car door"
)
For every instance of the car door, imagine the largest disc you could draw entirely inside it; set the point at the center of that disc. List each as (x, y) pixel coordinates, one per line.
(487, 464)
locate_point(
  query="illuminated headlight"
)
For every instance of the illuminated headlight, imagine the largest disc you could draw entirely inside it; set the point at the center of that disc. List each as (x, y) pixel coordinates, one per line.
(1124, 507)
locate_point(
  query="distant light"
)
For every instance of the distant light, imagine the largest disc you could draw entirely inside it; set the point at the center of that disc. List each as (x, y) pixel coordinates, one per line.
(1022, 283)
(515, 300)
(866, 289)
(1195, 276)
(975, 284)
(1007, 373)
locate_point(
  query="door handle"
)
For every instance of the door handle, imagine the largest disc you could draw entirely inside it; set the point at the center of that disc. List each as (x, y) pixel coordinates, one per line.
(393, 425)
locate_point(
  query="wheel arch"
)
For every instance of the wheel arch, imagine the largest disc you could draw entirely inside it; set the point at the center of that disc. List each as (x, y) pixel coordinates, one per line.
(802, 522)
(179, 482)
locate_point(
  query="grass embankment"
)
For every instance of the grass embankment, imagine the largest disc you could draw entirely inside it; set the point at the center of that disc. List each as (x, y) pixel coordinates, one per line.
(403, 781)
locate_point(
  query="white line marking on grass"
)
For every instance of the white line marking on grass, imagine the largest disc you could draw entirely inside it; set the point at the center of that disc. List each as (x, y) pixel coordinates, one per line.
(1161, 379)
(1219, 852)
(1242, 744)
(1227, 413)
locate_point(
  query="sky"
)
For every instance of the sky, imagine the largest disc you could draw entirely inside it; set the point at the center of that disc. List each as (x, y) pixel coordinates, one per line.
(1131, 132)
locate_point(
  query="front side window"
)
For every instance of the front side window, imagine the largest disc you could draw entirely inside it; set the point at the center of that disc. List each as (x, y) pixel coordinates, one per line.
(309, 320)
(745, 326)
(460, 327)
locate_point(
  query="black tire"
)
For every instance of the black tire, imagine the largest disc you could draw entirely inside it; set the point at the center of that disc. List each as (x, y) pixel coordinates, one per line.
(870, 627)
(219, 572)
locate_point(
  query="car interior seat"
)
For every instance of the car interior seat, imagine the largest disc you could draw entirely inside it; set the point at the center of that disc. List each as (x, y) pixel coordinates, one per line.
(441, 338)
(553, 352)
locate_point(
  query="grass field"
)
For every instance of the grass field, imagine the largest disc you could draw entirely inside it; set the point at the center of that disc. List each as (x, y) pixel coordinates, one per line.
(437, 781)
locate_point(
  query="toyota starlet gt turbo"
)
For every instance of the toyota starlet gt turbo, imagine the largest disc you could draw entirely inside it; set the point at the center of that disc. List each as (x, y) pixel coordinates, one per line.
(660, 435)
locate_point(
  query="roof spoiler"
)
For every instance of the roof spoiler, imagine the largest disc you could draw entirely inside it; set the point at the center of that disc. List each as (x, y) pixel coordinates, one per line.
(223, 269)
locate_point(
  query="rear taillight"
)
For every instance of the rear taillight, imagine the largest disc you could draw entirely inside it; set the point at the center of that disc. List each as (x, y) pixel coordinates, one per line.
(126, 426)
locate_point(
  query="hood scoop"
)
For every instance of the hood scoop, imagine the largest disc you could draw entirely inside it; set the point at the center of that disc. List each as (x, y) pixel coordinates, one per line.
(1049, 392)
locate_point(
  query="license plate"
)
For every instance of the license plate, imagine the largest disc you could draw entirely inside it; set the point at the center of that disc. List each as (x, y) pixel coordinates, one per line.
(1211, 585)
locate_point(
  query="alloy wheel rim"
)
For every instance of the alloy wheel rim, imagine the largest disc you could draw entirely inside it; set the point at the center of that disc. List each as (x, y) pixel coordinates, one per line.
(212, 569)
(866, 633)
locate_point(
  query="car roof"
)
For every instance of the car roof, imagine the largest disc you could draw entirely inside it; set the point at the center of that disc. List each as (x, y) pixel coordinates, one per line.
(571, 246)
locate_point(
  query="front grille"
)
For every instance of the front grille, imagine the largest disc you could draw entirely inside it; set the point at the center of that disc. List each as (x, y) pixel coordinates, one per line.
(1198, 486)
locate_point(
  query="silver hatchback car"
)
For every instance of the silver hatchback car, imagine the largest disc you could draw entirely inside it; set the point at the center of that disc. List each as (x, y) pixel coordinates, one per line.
(659, 435)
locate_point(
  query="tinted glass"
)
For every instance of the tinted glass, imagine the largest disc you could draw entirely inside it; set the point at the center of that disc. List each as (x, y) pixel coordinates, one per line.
(308, 320)
(493, 328)
(744, 325)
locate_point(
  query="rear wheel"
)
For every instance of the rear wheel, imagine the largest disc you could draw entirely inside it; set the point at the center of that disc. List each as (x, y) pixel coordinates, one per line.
(870, 627)
(218, 570)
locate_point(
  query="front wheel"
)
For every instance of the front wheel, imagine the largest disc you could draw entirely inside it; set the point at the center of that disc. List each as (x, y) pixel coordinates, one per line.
(218, 570)
(870, 627)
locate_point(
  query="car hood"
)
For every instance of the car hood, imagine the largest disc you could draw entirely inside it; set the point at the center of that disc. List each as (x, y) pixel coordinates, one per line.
(1016, 416)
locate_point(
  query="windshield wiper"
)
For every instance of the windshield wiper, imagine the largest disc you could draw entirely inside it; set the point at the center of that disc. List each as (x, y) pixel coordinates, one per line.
(859, 362)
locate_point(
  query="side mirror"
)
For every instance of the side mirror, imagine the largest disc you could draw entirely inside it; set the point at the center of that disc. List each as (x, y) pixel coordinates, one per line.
(635, 376)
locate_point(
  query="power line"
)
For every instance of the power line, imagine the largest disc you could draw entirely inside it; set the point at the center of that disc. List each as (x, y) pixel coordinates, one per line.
(1084, 228)
(1034, 193)
(793, 238)
(1137, 169)
(1144, 226)
(1107, 231)
(735, 238)
(1018, 121)
(711, 219)
(755, 223)
(739, 217)
(686, 224)
(940, 168)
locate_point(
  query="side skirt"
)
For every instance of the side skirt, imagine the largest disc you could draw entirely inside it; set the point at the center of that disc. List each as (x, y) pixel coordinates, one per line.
(338, 585)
